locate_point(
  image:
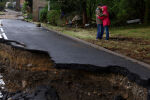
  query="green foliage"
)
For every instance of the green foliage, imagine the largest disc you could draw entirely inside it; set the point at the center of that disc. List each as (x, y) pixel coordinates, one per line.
(127, 10)
(123, 10)
(55, 5)
(53, 17)
(147, 12)
(120, 10)
(29, 16)
(30, 3)
(2, 6)
(25, 7)
(91, 6)
(43, 15)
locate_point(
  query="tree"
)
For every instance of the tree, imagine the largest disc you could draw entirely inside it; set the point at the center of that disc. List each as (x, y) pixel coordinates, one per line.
(2, 4)
(91, 6)
(69, 6)
(147, 12)
(84, 12)
(30, 4)
(120, 10)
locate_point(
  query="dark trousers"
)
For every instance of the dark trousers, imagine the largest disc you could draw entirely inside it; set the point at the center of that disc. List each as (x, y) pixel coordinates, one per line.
(106, 28)
(100, 31)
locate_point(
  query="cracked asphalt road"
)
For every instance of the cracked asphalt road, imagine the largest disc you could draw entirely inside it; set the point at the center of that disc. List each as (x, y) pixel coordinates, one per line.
(65, 50)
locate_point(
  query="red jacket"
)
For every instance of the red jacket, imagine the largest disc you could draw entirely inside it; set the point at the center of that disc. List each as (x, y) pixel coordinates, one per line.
(105, 19)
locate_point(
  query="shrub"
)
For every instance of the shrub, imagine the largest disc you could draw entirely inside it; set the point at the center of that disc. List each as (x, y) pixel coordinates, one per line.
(43, 15)
(61, 22)
(53, 17)
(29, 16)
(24, 7)
(2, 6)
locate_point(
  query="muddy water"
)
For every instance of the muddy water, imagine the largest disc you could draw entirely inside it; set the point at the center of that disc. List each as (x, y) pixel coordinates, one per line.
(30, 75)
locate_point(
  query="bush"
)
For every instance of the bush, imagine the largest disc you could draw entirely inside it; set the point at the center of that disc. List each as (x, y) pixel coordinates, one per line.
(2, 6)
(29, 16)
(61, 22)
(123, 10)
(53, 17)
(43, 15)
(24, 7)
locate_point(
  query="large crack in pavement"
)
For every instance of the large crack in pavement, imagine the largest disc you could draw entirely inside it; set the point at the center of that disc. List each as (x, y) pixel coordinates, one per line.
(33, 75)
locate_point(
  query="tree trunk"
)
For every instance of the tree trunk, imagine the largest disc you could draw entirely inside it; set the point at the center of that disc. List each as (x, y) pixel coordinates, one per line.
(147, 12)
(84, 12)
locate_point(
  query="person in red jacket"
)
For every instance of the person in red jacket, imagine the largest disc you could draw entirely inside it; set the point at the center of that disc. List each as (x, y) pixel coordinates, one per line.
(106, 20)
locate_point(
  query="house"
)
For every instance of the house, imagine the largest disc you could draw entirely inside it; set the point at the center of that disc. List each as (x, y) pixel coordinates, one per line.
(37, 6)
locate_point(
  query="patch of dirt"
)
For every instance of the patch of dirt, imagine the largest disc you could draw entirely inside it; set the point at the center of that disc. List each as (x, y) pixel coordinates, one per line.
(136, 48)
(24, 70)
(80, 85)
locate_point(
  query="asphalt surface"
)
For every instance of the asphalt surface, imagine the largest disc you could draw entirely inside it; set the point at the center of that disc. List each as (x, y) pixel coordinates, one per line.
(65, 50)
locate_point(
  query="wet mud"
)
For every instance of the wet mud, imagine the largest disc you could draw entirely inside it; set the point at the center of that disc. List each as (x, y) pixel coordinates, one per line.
(33, 75)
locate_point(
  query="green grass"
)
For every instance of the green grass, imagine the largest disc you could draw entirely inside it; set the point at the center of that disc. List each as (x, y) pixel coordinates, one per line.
(141, 32)
(2, 13)
(132, 32)
(132, 41)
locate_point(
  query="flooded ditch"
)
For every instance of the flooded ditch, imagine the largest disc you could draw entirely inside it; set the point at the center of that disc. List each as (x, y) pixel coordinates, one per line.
(33, 75)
